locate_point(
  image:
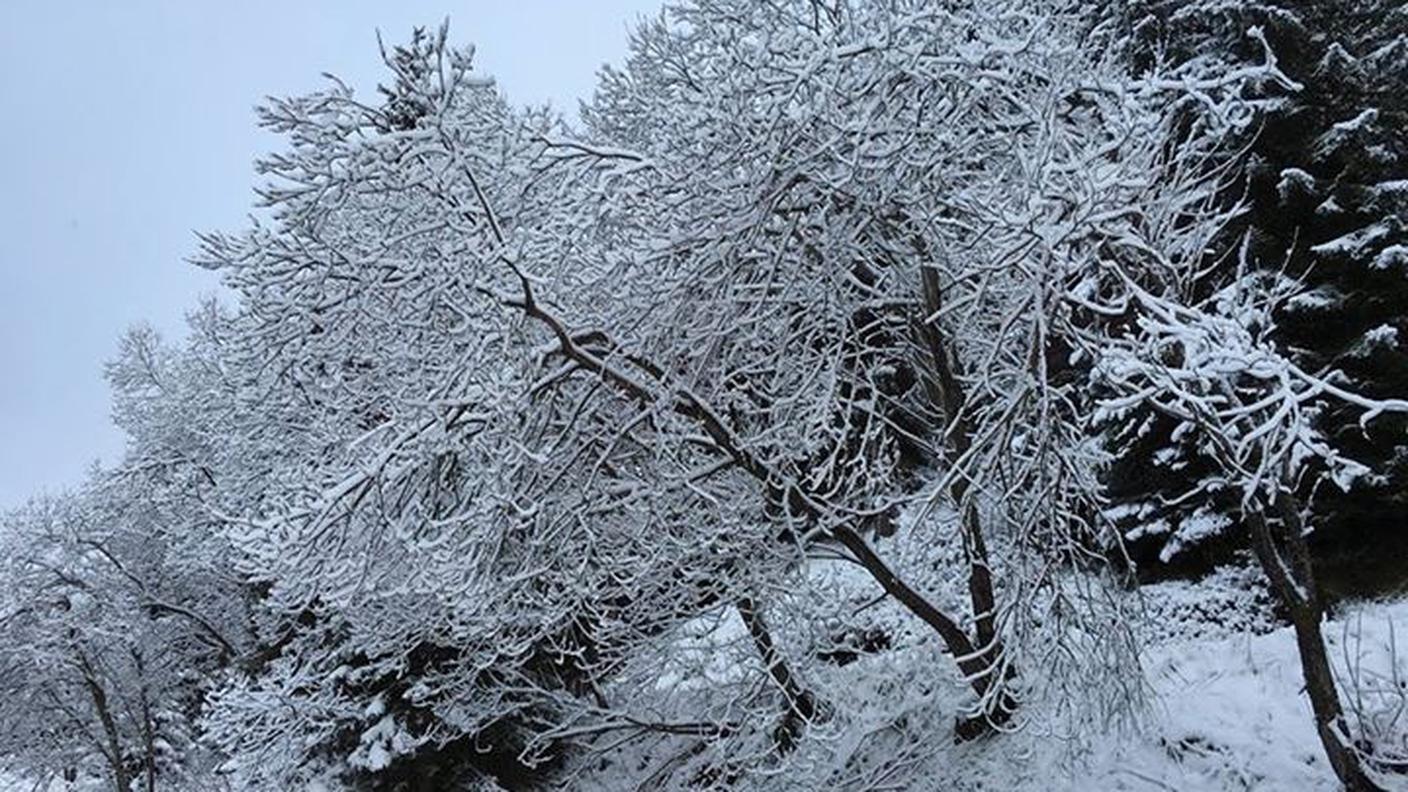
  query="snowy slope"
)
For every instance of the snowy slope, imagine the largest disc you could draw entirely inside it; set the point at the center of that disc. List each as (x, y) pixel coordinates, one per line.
(1225, 711)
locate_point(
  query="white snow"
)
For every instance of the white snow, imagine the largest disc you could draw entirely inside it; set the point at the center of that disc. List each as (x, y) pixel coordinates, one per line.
(1392, 256)
(1225, 707)
(1227, 713)
(1197, 526)
(1353, 242)
(1293, 181)
(1382, 337)
(1318, 298)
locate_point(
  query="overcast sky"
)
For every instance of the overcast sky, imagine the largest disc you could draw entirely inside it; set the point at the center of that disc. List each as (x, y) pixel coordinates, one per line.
(128, 125)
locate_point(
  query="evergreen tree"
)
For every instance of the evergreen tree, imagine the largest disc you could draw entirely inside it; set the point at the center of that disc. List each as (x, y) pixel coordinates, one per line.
(1325, 185)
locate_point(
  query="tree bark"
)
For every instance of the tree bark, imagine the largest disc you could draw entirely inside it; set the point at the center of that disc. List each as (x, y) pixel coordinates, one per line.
(973, 661)
(946, 393)
(122, 782)
(802, 707)
(148, 724)
(1285, 557)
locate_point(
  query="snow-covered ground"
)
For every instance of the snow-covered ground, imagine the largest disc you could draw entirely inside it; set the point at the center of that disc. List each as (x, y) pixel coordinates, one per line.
(1230, 712)
(1226, 711)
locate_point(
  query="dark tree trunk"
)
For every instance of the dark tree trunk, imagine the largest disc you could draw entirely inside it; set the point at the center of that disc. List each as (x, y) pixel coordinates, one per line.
(148, 725)
(974, 664)
(945, 389)
(122, 782)
(802, 706)
(944, 386)
(1281, 549)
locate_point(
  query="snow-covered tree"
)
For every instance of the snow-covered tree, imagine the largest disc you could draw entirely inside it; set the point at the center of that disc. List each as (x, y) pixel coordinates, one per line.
(910, 198)
(113, 639)
(526, 445)
(567, 391)
(1324, 206)
(1214, 368)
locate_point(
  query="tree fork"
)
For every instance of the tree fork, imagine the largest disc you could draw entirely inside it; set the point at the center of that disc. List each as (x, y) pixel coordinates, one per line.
(945, 390)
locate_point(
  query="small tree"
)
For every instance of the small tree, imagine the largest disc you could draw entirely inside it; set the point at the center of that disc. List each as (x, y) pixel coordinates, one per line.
(1213, 367)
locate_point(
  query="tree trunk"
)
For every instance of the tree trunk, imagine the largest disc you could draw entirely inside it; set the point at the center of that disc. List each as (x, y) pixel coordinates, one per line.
(1285, 558)
(802, 706)
(998, 706)
(148, 724)
(944, 387)
(120, 779)
(945, 391)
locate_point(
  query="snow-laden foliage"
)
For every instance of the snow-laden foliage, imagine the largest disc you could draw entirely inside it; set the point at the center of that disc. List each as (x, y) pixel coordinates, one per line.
(116, 626)
(662, 452)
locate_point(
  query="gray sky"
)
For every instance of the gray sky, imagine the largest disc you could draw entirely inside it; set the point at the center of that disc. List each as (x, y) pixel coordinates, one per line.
(129, 125)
